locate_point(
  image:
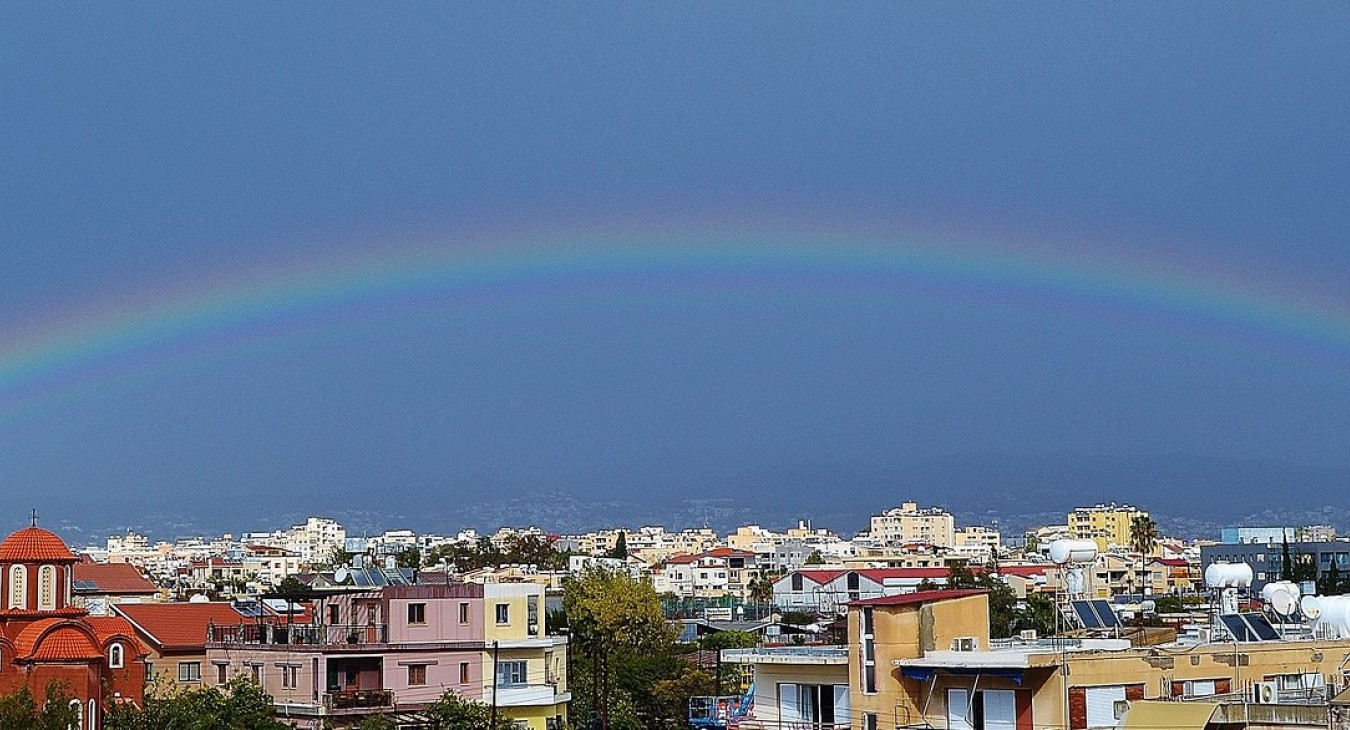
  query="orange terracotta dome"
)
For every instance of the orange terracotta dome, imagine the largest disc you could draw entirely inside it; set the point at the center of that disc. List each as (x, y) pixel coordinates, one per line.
(34, 545)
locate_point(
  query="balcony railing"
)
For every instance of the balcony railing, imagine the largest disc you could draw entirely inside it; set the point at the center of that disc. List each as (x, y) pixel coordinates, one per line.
(298, 634)
(355, 699)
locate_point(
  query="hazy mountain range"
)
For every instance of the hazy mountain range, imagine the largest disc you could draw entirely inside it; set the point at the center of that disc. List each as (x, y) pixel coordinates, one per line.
(1190, 496)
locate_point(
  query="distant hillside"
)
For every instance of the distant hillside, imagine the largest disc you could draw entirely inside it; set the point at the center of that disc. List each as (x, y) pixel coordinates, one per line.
(1189, 495)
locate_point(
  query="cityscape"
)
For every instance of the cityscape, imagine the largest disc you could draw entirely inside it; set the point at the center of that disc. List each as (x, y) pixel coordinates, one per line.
(621, 365)
(775, 628)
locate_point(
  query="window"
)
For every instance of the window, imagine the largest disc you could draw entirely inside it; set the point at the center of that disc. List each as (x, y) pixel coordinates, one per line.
(464, 613)
(870, 721)
(869, 656)
(463, 672)
(116, 656)
(290, 675)
(511, 674)
(503, 613)
(189, 671)
(18, 587)
(796, 581)
(532, 615)
(817, 704)
(417, 675)
(47, 588)
(222, 673)
(417, 613)
(256, 671)
(334, 614)
(77, 712)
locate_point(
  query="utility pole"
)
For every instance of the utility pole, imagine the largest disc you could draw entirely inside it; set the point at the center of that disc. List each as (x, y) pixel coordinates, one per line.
(496, 652)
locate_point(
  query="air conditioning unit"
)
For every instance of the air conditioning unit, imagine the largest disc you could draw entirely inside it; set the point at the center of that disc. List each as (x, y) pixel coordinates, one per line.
(1205, 635)
(965, 643)
(1264, 693)
(1027, 635)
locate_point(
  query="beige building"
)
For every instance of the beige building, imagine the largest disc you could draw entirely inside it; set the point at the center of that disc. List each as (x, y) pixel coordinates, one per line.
(909, 524)
(926, 660)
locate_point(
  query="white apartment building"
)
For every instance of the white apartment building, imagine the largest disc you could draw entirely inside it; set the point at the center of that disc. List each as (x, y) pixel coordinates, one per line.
(909, 524)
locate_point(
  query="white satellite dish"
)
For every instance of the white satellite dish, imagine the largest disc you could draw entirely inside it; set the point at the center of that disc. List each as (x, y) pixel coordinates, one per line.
(341, 575)
(1283, 602)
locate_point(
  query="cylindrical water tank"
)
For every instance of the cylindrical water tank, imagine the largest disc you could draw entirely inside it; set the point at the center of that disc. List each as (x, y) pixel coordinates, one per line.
(1228, 575)
(1063, 552)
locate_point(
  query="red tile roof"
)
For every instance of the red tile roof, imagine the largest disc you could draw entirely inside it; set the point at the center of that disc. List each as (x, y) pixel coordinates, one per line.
(118, 578)
(177, 626)
(913, 599)
(66, 643)
(34, 545)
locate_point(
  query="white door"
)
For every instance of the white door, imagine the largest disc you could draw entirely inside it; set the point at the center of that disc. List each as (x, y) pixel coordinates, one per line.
(1101, 705)
(1000, 709)
(958, 710)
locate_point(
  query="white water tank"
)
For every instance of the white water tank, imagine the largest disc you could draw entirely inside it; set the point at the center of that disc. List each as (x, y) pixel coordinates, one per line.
(1330, 611)
(1078, 552)
(1228, 575)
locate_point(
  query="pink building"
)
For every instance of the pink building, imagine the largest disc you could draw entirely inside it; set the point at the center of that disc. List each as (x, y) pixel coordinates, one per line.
(391, 650)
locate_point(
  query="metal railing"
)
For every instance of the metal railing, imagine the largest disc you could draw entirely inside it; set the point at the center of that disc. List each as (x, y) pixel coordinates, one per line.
(298, 634)
(358, 698)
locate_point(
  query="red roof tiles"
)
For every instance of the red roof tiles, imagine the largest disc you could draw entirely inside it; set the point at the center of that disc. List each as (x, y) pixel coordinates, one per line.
(111, 578)
(34, 545)
(177, 626)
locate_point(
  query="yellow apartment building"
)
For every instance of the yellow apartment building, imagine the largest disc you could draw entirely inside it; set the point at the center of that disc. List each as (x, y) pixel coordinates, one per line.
(525, 668)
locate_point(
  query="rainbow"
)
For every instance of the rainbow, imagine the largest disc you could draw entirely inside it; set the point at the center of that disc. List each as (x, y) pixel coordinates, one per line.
(46, 362)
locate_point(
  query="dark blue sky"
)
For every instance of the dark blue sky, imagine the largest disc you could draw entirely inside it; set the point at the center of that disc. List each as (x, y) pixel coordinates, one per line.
(149, 145)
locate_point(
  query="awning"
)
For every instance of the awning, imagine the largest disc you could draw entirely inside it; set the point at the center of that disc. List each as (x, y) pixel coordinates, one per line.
(923, 674)
(1158, 715)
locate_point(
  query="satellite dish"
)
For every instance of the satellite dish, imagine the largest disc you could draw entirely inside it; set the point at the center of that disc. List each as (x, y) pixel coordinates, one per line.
(1312, 607)
(341, 575)
(1283, 602)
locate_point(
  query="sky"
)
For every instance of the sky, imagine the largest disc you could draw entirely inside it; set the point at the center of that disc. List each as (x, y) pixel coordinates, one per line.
(170, 161)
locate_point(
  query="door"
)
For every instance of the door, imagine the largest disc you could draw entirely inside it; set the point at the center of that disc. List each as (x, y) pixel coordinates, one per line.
(1101, 705)
(1000, 709)
(958, 710)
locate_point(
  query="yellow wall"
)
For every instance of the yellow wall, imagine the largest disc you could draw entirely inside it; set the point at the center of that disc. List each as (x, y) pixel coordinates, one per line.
(904, 632)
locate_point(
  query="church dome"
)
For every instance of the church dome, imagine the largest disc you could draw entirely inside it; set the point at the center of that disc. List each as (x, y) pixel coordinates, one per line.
(34, 545)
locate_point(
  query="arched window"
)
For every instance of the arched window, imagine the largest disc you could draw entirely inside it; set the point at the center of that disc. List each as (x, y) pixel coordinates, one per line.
(93, 715)
(77, 708)
(115, 656)
(18, 587)
(47, 588)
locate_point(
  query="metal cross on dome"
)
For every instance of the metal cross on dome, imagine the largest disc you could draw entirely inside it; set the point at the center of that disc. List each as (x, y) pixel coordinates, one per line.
(33, 517)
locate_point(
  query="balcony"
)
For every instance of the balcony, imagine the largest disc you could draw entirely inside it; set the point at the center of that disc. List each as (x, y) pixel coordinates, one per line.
(317, 635)
(358, 699)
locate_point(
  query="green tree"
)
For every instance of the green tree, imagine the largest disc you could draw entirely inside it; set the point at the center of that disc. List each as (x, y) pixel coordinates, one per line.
(620, 550)
(761, 590)
(411, 557)
(814, 558)
(377, 722)
(20, 711)
(240, 704)
(674, 694)
(614, 618)
(452, 711)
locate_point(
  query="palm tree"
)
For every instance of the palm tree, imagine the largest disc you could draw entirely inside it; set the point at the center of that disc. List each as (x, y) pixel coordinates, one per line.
(1143, 537)
(761, 590)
